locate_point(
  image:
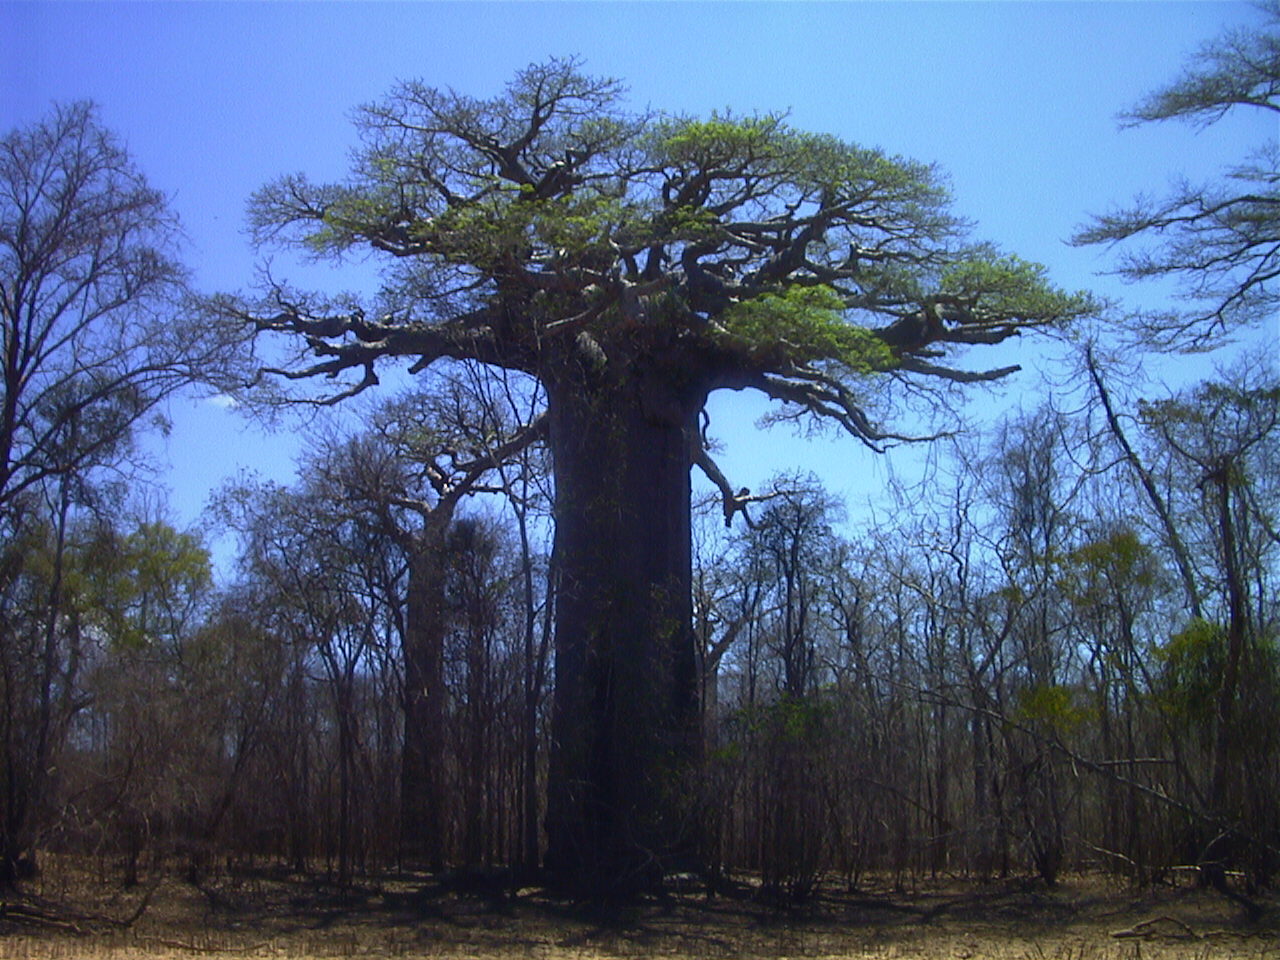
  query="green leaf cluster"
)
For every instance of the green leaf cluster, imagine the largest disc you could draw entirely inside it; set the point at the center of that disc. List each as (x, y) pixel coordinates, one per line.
(349, 214)
(1094, 571)
(720, 141)
(130, 588)
(789, 719)
(1121, 551)
(725, 146)
(1189, 666)
(801, 325)
(1188, 678)
(139, 586)
(1051, 705)
(992, 285)
(509, 222)
(687, 223)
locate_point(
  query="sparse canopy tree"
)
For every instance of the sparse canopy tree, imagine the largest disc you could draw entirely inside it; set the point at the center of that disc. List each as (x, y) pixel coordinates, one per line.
(791, 540)
(1222, 438)
(405, 479)
(1220, 242)
(88, 291)
(633, 264)
(89, 345)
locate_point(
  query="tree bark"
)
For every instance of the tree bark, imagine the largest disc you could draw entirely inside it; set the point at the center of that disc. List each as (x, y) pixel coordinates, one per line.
(1225, 752)
(625, 730)
(422, 824)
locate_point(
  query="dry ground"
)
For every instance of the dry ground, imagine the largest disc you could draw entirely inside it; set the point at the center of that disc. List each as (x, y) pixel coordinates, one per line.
(273, 915)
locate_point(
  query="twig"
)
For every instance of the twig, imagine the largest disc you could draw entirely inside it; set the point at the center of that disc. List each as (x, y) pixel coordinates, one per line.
(196, 948)
(1144, 929)
(20, 913)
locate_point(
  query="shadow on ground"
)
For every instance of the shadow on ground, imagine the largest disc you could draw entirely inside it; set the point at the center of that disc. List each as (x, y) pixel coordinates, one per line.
(269, 912)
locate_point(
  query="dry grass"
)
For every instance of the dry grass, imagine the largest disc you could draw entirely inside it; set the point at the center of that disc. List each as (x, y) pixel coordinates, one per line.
(1086, 918)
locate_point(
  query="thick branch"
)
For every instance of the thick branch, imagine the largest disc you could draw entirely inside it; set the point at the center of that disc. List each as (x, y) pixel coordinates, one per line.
(348, 341)
(820, 395)
(915, 365)
(731, 502)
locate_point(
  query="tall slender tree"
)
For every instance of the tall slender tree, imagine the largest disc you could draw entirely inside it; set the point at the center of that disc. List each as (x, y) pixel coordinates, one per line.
(404, 480)
(91, 341)
(1222, 436)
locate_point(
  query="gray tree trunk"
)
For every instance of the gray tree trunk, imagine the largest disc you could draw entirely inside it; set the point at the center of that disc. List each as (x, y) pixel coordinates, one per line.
(422, 824)
(625, 726)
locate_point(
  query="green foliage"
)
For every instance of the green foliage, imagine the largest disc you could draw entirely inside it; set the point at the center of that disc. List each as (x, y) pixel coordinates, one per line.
(994, 285)
(1121, 552)
(1094, 571)
(803, 325)
(727, 755)
(499, 221)
(1218, 241)
(1049, 705)
(347, 214)
(140, 587)
(1189, 669)
(722, 251)
(799, 720)
(130, 588)
(578, 223)
(1210, 400)
(687, 223)
(719, 141)
(1189, 666)
(788, 720)
(550, 204)
(509, 223)
(1239, 68)
(852, 173)
(724, 146)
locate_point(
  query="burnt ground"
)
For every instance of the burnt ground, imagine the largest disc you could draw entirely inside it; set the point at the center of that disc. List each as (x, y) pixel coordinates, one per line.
(270, 913)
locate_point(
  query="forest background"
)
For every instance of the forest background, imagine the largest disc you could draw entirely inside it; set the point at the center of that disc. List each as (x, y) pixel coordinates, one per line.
(911, 684)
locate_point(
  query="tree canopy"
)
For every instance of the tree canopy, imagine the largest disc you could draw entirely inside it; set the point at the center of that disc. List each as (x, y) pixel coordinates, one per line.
(548, 228)
(1220, 242)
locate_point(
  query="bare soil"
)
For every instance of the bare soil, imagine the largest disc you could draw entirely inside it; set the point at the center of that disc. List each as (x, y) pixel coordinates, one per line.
(273, 914)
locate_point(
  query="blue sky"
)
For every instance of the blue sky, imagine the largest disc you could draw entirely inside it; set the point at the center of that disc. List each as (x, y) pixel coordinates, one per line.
(1015, 101)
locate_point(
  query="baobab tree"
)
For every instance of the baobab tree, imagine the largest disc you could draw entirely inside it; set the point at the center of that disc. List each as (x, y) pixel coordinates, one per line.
(633, 264)
(405, 479)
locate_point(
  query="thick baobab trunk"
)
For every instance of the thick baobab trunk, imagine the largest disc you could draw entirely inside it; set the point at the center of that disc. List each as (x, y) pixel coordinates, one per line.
(625, 734)
(422, 763)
